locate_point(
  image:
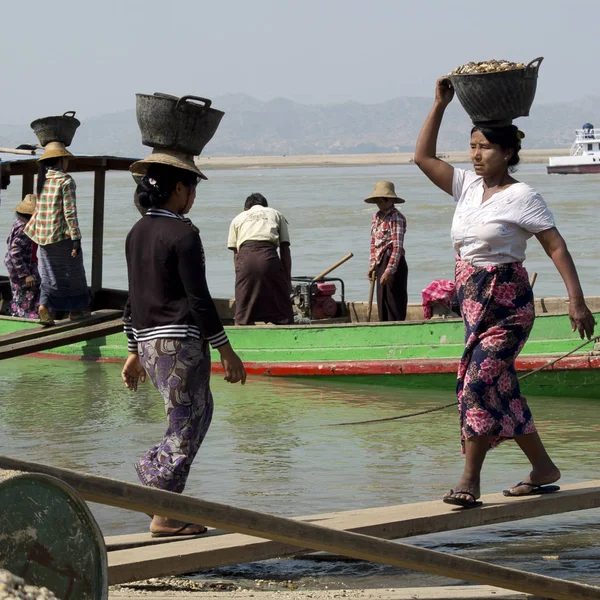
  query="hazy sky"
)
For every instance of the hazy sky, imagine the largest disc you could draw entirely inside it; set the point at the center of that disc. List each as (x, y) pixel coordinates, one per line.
(93, 57)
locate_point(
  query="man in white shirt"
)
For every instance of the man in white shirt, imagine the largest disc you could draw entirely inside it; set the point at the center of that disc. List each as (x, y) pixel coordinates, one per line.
(263, 277)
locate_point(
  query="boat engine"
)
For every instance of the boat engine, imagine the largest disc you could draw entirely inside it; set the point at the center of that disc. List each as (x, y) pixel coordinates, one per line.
(315, 300)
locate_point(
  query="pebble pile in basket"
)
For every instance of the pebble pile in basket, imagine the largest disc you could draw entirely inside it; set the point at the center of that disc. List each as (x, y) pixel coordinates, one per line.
(488, 66)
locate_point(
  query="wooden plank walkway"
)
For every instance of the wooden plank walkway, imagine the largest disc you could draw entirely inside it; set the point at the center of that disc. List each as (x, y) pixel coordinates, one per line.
(390, 522)
(46, 338)
(32, 333)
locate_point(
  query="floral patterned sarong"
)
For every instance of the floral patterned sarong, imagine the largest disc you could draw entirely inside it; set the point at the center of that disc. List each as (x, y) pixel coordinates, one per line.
(180, 371)
(498, 311)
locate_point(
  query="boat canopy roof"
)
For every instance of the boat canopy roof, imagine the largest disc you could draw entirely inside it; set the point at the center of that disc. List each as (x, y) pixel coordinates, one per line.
(77, 164)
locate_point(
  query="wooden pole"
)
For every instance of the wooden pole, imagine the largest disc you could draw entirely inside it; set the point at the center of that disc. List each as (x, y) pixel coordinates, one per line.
(27, 185)
(17, 151)
(533, 278)
(305, 535)
(371, 292)
(98, 229)
(334, 266)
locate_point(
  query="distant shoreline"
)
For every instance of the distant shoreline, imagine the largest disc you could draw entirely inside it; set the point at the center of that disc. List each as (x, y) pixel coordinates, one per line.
(349, 160)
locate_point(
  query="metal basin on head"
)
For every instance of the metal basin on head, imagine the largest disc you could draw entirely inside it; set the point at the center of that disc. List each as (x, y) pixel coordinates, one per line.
(185, 124)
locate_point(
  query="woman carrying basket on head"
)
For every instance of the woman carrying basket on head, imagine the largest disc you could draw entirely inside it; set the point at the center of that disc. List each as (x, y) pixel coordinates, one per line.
(495, 216)
(54, 227)
(170, 320)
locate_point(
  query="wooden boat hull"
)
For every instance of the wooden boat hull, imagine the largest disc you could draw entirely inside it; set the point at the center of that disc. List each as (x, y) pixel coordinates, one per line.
(419, 354)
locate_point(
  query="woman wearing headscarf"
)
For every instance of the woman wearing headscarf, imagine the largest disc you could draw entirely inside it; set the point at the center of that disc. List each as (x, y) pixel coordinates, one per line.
(387, 262)
(170, 320)
(54, 227)
(495, 216)
(21, 264)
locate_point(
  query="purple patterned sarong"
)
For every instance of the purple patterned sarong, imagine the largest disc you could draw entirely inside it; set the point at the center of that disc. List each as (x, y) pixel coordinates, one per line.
(180, 371)
(498, 311)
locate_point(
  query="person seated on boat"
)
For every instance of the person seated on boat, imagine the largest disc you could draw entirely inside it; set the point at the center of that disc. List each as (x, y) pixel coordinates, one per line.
(54, 227)
(170, 320)
(21, 264)
(387, 262)
(263, 278)
(495, 215)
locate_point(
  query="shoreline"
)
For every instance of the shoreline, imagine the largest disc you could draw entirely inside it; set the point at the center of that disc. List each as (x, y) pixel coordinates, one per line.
(350, 160)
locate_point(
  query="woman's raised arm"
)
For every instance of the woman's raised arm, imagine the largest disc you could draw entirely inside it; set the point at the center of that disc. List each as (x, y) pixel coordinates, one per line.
(438, 171)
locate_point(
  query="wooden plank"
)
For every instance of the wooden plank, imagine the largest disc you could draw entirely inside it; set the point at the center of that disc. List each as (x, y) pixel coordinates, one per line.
(98, 229)
(32, 333)
(303, 535)
(398, 521)
(389, 522)
(82, 334)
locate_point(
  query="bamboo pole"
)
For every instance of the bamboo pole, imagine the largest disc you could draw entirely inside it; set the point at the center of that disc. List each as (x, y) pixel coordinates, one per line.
(305, 535)
(334, 266)
(533, 278)
(16, 151)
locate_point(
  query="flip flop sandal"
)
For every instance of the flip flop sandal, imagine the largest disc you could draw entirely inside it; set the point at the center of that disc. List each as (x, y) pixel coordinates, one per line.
(451, 499)
(535, 489)
(159, 534)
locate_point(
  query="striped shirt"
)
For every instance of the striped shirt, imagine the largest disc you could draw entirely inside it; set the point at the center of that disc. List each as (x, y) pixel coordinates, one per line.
(55, 215)
(168, 293)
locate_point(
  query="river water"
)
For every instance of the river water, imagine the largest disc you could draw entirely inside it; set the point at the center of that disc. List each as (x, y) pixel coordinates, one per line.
(268, 448)
(328, 219)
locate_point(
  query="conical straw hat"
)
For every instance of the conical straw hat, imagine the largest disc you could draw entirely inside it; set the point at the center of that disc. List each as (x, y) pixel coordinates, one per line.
(384, 189)
(164, 156)
(27, 205)
(55, 150)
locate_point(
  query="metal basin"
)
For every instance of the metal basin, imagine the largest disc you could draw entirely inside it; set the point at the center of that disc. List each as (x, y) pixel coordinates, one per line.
(185, 124)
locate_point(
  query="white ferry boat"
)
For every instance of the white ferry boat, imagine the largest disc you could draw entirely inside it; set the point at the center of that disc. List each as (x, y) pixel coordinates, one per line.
(585, 154)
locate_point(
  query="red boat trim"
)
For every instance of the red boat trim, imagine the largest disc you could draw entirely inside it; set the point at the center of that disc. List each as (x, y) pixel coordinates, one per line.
(412, 366)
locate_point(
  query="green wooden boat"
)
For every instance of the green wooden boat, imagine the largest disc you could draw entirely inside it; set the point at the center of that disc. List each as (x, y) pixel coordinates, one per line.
(414, 353)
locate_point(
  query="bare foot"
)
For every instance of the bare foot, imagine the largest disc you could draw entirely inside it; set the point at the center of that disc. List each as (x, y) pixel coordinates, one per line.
(536, 477)
(466, 485)
(164, 526)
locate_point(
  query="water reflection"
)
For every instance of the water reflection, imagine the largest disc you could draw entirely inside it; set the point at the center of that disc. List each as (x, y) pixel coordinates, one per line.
(270, 449)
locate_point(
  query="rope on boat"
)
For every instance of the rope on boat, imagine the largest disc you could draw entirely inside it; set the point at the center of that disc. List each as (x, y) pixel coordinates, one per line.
(430, 410)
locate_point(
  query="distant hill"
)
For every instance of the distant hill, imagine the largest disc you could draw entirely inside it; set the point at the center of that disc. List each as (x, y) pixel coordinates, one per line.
(280, 126)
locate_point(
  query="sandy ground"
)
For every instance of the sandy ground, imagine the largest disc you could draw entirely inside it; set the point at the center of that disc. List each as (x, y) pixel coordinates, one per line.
(349, 160)
(172, 587)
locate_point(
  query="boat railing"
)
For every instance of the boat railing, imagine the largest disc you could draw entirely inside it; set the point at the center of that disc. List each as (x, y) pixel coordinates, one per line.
(585, 135)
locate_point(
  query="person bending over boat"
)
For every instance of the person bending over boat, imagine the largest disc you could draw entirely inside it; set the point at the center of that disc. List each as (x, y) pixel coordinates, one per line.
(170, 319)
(387, 261)
(55, 229)
(495, 215)
(263, 279)
(21, 264)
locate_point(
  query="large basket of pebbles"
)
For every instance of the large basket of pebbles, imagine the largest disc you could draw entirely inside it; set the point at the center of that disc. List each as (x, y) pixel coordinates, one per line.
(496, 91)
(56, 129)
(185, 124)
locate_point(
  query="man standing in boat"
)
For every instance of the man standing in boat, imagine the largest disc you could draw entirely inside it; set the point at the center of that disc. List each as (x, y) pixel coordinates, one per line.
(262, 277)
(387, 262)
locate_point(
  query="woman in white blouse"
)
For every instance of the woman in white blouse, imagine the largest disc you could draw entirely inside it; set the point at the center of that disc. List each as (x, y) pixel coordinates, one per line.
(495, 216)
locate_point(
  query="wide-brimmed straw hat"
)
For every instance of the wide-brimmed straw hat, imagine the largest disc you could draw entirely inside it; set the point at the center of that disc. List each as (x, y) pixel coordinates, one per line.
(55, 150)
(384, 189)
(27, 205)
(164, 156)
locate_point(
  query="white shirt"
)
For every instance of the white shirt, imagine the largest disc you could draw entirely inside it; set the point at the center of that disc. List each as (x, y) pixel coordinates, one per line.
(495, 231)
(258, 224)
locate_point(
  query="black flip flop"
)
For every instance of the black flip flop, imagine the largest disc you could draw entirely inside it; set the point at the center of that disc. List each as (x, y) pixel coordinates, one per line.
(159, 534)
(535, 489)
(461, 501)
